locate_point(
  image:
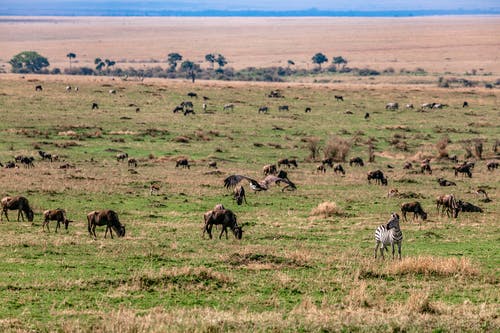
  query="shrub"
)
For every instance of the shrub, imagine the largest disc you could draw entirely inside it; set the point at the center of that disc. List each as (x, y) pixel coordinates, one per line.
(337, 149)
(441, 146)
(327, 209)
(313, 147)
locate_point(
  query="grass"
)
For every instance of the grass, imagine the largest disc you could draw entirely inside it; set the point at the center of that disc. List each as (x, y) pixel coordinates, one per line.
(290, 272)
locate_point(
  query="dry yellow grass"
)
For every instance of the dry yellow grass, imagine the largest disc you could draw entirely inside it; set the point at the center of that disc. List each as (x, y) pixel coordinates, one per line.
(326, 209)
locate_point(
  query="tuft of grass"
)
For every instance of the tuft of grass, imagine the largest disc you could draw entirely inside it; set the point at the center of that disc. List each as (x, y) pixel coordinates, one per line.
(431, 265)
(327, 209)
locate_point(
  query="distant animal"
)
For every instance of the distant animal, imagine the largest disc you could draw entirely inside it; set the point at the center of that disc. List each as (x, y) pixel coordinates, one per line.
(367, 115)
(425, 166)
(121, 156)
(28, 161)
(132, 162)
(288, 162)
(228, 107)
(204, 107)
(154, 188)
(393, 192)
(449, 204)
(327, 161)
(392, 106)
(109, 218)
(378, 176)
(389, 234)
(481, 191)
(178, 108)
(407, 166)
(76, 89)
(389, 166)
(45, 156)
(415, 208)
(444, 182)
(339, 98)
(269, 169)
(95, 106)
(18, 203)
(262, 185)
(427, 105)
(68, 88)
(439, 105)
(239, 195)
(339, 169)
(466, 104)
(212, 164)
(308, 109)
(58, 215)
(10, 165)
(38, 88)
(409, 106)
(183, 163)
(356, 161)
(224, 217)
(205, 98)
(263, 109)
(283, 108)
(275, 94)
(492, 165)
(468, 207)
(464, 168)
(321, 168)
(192, 94)
(112, 91)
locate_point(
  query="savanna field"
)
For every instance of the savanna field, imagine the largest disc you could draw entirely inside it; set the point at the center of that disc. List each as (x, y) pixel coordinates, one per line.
(299, 267)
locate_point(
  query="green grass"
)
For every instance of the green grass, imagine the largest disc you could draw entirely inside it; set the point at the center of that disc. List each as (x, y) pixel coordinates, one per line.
(291, 271)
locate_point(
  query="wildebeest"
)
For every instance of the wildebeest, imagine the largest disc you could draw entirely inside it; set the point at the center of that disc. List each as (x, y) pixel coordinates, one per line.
(367, 115)
(339, 169)
(154, 188)
(224, 217)
(178, 108)
(466, 104)
(308, 109)
(415, 208)
(275, 94)
(407, 166)
(10, 165)
(321, 168)
(269, 169)
(393, 192)
(112, 91)
(444, 182)
(109, 218)
(464, 168)
(409, 106)
(492, 165)
(68, 88)
(425, 166)
(356, 161)
(339, 98)
(283, 108)
(468, 207)
(392, 106)
(229, 106)
(378, 176)
(132, 162)
(239, 195)
(263, 109)
(212, 164)
(449, 203)
(288, 162)
(192, 94)
(44, 155)
(327, 161)
(38, 88)
(438, 105)
(28, 161)
(182, 162)
(95, 106)
(58, 215)
(121, 156)
(18, 203)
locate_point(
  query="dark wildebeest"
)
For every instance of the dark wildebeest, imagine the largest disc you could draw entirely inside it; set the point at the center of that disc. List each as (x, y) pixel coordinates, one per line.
(28, 161)
(121, 156)
(10, 165)
(38, 88)
(108, 218)
(223, 217)
(229, 106)
(407, 166)
(288, 162)
(464, 169)
(182, 162)
(239, 195)
(447, 202)
(339, 169)
(392, 106)
(356, 161)
(321, 168)
(468, 207)
(444, 182)
(132, 162)
(367, 115)
(339, 98)
(308, 109)
(414, 207)
(178, 108)
(269, 169)
(283, 108)
(95, 106)
(58, 215)
(327, 161)
(263, 109)
(466, 104)
(379, 177)
(18, 203)
(192, 94)
(212, 164)
(425, 166)
(45, 156)
(492, 165)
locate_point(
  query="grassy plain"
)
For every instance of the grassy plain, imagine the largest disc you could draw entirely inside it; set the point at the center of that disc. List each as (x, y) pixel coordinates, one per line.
(292, 271)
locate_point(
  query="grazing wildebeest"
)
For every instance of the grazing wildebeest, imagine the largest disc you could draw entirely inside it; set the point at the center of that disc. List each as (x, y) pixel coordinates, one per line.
(439, 105)
(263, 109)
(339, 98)
(192, 94)
(449, 203)
(275, 94)
(121, 156)
(409, 106)
(182, 162)
(492, 165)
(224, 217)
(38, 88)
(212, 164)
(269, 169)
(109, 218)
(229, 106)
(112, 91)
(389, 234)
(239, 195)
(356, 161)
(444, 182)
(327, 161)
(44, 155)
(414, 207)
(10, 165)
(321, 168)
(425, 166)
(28, 161)
(18, 203)
(466, 104)
(58, 215)
(132, 162)
(339, 169)
(367, 115)
(464, 168)
(288, 162)
(379, 177)
(178, 108)
(407, 166)
(308, 109)
(95, 106)
(392, 106)
(68, 88)
(205, 98)
(283, 108)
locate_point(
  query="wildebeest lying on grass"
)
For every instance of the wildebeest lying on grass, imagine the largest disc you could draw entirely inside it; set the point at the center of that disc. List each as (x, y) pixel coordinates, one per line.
(224, 217)
(58, 215)
(468, 207)
(20, 203)
(444, 182)
(108, 218)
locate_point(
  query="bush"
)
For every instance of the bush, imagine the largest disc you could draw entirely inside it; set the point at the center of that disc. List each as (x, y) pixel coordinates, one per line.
(327, 209)
(337, 149)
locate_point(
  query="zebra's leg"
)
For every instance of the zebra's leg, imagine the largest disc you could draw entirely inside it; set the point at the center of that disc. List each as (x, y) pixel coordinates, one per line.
(392, 251)
(376, 249)
(399, 250)
(382, 248)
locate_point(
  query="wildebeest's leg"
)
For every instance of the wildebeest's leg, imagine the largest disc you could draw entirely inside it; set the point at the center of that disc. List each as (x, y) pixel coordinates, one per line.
(224, 228)
(45, 223)
(58, 225)
(93, 231)
(20, 213)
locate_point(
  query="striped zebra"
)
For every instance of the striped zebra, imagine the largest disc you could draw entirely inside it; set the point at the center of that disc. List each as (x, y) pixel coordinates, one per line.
(389, 234)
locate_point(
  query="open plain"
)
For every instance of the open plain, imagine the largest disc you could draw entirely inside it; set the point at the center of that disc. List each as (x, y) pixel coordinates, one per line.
(305, 262)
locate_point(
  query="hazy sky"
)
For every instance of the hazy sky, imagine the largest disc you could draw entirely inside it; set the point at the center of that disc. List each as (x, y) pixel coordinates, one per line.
(338, 5)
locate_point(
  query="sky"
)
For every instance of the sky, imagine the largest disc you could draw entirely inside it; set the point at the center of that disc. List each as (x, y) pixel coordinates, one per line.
(27, 6)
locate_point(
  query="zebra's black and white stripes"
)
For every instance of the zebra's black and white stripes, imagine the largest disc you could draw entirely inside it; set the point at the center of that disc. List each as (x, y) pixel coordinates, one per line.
(389, 234)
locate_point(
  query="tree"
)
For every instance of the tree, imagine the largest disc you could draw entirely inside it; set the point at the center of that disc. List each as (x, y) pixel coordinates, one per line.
(109, 63)
(173, 58)
(319, 58)
(28, 62)
(190, 68)
(70, 56)
(99, 64)
(221, 60)
(211, 59)
(339, 61)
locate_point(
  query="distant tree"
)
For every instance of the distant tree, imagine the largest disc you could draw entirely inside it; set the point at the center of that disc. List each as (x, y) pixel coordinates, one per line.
(99, 64)
(109, 63)
(172, 59)
(190, 68)
(70, 56)
(319, 58)
(211, 59)
(221, 60)
(28, 62)
(340, 61)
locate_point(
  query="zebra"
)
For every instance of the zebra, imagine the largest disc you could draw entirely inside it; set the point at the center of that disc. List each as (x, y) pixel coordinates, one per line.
(389, 234)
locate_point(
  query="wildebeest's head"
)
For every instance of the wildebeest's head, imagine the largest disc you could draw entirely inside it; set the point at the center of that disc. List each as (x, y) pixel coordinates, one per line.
(66, 223)
(238, 232)
(30, 215)
(121, 231)
(424, 216)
